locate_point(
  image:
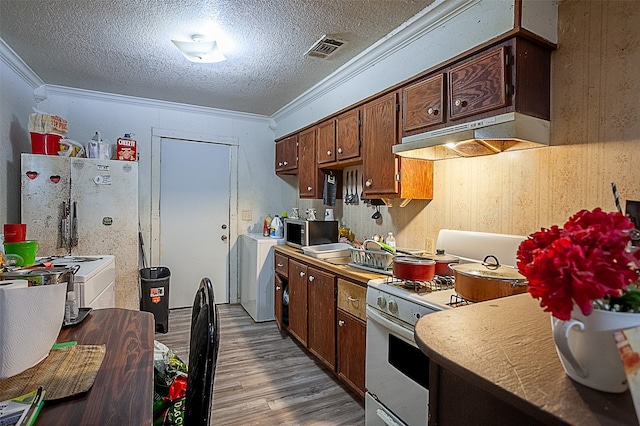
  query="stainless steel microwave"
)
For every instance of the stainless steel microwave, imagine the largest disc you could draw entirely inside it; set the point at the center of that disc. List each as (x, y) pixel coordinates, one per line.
(301, 233)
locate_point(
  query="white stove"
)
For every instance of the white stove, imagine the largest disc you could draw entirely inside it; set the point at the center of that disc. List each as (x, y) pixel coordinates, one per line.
(408, 301)
(94, 282)
(397, 372)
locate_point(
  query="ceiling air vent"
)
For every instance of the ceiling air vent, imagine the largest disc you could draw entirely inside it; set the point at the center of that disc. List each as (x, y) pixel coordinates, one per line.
(324, 47)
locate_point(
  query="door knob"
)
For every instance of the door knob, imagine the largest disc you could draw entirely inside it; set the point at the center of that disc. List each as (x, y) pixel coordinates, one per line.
(223, 238)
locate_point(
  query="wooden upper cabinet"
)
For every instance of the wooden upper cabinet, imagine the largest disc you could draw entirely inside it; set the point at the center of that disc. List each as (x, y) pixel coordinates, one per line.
(310, 178)
(479, 85)
(423, 103)
(379, 134)
(348, 135)
(287, 155)
(327, 142)
(339, 140)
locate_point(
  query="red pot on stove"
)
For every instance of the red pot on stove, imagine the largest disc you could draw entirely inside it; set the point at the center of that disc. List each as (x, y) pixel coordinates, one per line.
(443, 261)
(413, 268)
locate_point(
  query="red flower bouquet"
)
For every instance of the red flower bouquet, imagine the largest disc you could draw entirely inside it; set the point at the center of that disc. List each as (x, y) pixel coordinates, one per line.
(588, 263)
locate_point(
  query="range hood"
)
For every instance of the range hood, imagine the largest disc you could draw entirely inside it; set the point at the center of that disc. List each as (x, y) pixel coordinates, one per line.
(505, 132)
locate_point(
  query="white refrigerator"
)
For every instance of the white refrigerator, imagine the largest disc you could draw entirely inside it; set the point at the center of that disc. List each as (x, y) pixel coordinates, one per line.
(256, 276)
(80, 207)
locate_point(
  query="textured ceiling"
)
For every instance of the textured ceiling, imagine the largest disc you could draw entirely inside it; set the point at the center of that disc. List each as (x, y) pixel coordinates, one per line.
(124, 46)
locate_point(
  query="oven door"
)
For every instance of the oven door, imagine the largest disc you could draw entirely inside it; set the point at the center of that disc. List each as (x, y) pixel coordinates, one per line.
(397, 372)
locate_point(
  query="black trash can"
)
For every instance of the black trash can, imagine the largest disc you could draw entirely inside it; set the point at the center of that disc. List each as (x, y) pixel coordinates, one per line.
(154, 283)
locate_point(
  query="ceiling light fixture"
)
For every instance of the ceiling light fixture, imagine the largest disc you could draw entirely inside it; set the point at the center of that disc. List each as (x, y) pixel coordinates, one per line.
(199, 50)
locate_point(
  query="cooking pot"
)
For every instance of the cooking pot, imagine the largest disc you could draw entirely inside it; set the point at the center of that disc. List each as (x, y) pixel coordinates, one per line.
(443, 261)
(414, 268)
(487, 280)
(40, 275)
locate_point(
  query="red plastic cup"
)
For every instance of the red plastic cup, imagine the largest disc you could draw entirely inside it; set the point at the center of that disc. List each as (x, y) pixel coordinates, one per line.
(15, 232)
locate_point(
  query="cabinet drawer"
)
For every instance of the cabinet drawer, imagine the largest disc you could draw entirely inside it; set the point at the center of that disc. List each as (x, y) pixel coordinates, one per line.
(352, 298)
(282, 265)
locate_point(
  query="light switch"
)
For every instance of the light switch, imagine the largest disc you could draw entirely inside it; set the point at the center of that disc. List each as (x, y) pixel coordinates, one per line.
(246, 214)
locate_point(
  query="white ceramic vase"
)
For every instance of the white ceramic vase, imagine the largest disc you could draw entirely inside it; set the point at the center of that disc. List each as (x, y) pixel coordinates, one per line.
(587, 348)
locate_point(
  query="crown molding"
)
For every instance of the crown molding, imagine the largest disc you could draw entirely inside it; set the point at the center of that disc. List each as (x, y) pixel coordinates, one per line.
(13, 61)
(415, 28)
(152, 103)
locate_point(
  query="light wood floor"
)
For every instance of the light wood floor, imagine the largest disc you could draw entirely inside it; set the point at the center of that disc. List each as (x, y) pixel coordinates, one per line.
(263, 377)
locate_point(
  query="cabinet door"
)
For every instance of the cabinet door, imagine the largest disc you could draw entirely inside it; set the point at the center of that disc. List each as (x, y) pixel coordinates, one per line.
(287, 154)
(322, 315)
(478, 85)
(298, 301)
(327, 142)
(422, 104)
(278, 301)
(281, 265)
(352, 335)
(348, 135)
(379, 134)
(309, 177)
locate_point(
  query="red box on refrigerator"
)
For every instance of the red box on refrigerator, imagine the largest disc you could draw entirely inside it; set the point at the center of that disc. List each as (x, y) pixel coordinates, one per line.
(126, 148)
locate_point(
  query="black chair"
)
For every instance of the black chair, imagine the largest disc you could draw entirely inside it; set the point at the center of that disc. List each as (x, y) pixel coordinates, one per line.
(203, 354)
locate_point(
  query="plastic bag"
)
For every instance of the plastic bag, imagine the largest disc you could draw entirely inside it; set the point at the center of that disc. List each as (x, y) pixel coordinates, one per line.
(169, 388)
(99, 148)
(71, 148)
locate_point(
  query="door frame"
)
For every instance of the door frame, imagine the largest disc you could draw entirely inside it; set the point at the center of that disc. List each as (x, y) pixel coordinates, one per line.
(154, 249)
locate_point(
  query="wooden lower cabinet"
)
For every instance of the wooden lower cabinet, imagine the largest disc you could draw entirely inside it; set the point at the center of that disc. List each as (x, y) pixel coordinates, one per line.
(322, 314)
(326, 314)
(282, 317)
(298, 300)
(352, 336)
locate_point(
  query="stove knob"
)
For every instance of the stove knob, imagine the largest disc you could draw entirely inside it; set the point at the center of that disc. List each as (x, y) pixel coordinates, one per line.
(393, 307)
(382, 302)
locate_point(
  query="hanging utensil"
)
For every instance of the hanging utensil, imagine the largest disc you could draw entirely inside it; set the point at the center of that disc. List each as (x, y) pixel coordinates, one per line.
(377, 214)
(347, 198)
(356, 200)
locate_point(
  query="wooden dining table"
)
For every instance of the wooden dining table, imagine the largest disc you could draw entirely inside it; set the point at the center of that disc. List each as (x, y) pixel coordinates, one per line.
(122, 393)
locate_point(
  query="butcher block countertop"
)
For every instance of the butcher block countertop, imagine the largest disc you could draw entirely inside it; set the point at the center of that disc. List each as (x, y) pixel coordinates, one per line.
(504, 348)
(360, 276)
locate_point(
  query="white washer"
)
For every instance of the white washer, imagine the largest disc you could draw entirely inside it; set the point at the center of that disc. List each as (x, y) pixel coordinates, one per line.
(256, 276)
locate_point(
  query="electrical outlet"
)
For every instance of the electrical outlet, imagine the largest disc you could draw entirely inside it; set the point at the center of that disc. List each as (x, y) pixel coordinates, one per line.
(246, 214)
(428, 245)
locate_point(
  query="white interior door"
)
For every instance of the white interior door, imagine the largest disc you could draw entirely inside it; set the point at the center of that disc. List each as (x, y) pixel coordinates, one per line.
(194, 217)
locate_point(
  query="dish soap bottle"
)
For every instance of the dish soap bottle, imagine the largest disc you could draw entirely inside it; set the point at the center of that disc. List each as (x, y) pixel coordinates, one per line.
(390, 240)
(71, 308)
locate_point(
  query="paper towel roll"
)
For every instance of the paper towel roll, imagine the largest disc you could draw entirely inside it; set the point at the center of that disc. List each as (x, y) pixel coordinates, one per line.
(30, 321)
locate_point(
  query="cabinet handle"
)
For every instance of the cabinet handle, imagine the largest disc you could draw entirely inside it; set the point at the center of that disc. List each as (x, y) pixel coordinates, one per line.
(280, 164)
(280, 265)
(309, 188)
(277, 287)
(368, 183)
(432, 111)
(329, 153)
(460, 103)
(341, 323)
(339, 150)
(285, 163)
(352, 299)
(311, 278)
(302, 274)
